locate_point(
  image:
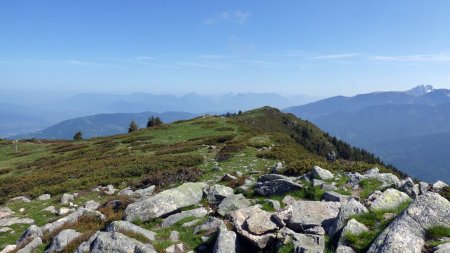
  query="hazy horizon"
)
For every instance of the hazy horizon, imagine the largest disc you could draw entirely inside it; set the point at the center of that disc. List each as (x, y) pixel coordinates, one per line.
(318, 49)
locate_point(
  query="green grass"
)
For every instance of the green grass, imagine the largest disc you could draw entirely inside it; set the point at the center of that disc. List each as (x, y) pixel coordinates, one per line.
(369, 185)
(287, 248)
(186, 234)
(435, 235)
(376, 222)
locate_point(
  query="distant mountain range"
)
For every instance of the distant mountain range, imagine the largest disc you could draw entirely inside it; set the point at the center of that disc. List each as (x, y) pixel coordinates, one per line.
(102, 125)
(410, 129)
(19, 119)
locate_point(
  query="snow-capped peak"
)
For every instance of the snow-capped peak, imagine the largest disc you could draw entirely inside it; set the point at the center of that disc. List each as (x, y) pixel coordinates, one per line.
(420, 90)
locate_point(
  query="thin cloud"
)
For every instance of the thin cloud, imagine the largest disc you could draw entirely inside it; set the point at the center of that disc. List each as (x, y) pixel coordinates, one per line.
(237, 17)
(213, 56)
(335, 56)
(82, 63)
(413, 58)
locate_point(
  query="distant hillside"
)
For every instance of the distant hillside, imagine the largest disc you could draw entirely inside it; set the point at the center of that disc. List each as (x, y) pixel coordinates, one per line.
(186, 150)
(394, 125)
(425, 156)
(102, 125)
(18, 119)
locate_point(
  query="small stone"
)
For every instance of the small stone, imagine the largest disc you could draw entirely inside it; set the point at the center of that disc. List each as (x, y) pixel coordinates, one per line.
(65, 210)
(91, 205)
(21, 210)
(44, 197)
(287, 200)
(66, 198)
(228, 177)
(174, 236)
(20, 199)
(176, 248)
(322, 174)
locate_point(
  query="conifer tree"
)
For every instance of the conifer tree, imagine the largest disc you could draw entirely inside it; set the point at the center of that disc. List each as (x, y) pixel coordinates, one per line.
(78, 136)
(133, 127)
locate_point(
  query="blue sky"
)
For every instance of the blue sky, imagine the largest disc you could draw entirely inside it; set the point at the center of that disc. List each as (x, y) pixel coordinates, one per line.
(320, 48)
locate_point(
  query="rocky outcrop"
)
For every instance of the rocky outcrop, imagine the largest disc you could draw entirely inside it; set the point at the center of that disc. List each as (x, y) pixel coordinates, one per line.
(407, 232)
(30, 247)
(302, 214)
(174, 218)
(347, 210)
(353, 227)
(276, 187)
(226, 242)
(232, 203)
(260, 223)
(125, 226)
(218, 192)
(60, 241)
(9, 221)
(389, 199)
(117, 242)
(239, 217)
(165, 202)
(309, 243)
(73, 217)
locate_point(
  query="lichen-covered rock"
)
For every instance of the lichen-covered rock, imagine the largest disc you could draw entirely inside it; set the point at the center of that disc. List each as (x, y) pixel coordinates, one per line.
(407, 232)
(335, 197)
(125, 226)
(322, 174)
(212, 225)
(238, 218)
(226, 242)
(86, 246)
(443, 248)
(305, 214)
(347, 210)
(165, 202)
(260, 222)
(387, 179)
(32, 232)
(66, 198)
(20, 199)
(389, 199)
(146, 192)
(309, 243)
(407, 186)
(232, 203)
(44, 197)
(5, 212)
(9, 221)
(73, 217)
(117, 242)
(174, 218)
(9, 248)
(60, 241)
(439, 185)
(50, 209)
(91, 205)
(352, 227)
(30, 247)
(218, 192)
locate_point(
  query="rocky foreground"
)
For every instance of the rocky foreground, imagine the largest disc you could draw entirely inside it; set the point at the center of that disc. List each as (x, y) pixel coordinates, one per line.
(317, 212)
